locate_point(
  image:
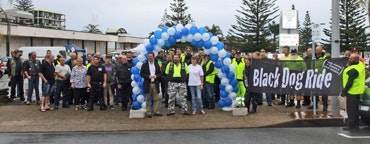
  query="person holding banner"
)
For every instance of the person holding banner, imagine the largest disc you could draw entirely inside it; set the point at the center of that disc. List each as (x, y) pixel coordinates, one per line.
(286, 56)
(295, 64)
(353, 87)
(238, 62)
(320, 58)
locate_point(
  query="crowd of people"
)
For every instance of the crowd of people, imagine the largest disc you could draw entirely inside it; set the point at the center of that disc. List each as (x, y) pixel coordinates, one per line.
(181, 77)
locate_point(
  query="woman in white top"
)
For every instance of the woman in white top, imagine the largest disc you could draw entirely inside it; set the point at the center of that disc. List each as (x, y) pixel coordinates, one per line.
(196, 85)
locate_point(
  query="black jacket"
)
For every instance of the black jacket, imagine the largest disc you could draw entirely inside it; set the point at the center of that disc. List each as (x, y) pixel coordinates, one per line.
(145, 73)
(123, 73)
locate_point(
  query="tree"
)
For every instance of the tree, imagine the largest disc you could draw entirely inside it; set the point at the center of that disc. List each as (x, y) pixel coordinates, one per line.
(366, 4)
(91, 28)
(216, 30)
(24, 5)
(352, 26)
(8, 32)
(274, 31)
(165, 21)
(253, 23)
(305, 33)
(179, 16)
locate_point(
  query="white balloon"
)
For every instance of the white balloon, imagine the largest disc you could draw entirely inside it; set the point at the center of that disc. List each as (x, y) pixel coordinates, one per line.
(171, 31)
(189, 38)
(227, 61)
(179, 27)
(140, 98)
(141, 57)
(139, 64)
(143, 105)
(188, 26)
(141, 48)
(183, 39)
(232, 96)
(197, 37)
(146, 41)
(134, 84)
(235, 104)
(214, 40)
(221, 53)
(220, 75)
(214, 50)
(161, 42)
(132, 77)
(165, 36)
(232, 67)
(229, 88)
(205, 36)
(155, 53)
(207, 51)
(157, 48)
(136, 90)
(224, 81)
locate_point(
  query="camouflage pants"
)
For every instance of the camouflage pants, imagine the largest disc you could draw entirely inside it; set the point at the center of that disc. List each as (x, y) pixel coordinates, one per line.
(173, 89)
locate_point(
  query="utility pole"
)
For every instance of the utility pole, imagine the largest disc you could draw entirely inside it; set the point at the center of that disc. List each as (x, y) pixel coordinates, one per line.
(335, 48)
(7, 38)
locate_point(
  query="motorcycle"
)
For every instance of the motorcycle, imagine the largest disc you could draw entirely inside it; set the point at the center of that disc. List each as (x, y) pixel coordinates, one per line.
(364, 106)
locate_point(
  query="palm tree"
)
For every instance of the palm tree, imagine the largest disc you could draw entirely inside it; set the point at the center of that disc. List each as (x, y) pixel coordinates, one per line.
(216, 30)
(91, 28)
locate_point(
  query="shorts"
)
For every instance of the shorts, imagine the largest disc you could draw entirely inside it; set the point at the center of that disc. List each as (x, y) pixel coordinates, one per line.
(25, 83)
(47, 89)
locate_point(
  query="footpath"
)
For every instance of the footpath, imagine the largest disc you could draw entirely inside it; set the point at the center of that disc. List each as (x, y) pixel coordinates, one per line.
(17, 117)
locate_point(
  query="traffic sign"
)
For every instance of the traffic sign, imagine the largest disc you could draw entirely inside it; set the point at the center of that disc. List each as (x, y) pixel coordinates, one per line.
(316, 33)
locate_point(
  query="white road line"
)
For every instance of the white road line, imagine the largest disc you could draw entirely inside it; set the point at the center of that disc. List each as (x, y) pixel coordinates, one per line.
(354, 137)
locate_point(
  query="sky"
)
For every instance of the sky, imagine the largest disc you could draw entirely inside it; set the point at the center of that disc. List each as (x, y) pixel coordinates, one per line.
(140, 17)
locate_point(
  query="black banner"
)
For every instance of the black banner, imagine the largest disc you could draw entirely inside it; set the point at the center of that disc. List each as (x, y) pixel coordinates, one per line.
(303, 77)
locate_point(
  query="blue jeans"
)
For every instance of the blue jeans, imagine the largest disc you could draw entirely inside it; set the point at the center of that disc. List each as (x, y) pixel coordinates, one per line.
(196, 97)
(61, 88)
(208, 97)
(269, 97)
(47, 89)
(33, 84)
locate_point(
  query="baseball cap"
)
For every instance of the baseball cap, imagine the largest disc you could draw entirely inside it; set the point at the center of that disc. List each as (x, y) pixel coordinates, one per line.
(238, 52)
(293, 51)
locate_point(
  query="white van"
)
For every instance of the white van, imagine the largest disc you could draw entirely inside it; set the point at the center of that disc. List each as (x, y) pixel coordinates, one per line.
(41, 51)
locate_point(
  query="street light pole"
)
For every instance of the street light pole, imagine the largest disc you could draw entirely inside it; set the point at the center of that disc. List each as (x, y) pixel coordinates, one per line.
(335, 47)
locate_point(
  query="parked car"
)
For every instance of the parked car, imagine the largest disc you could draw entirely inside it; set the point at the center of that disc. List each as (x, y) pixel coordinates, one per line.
(364, 106)
(3, 62)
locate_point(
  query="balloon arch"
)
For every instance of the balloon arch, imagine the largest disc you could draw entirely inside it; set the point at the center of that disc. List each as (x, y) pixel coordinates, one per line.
(199, 37)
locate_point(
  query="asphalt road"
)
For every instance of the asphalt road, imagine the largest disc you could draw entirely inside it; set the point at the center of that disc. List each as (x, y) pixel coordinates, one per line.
(330, 135)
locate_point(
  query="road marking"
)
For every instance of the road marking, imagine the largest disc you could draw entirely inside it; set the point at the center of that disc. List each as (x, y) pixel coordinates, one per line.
(354, 137)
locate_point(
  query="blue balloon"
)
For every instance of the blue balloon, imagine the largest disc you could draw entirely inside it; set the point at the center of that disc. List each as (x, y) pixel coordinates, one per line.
(137, 105)
(135, 70)
(223, 94)
(231, 75)
(193, 29)
(210, 34)
(220, 45)
(137, 77)
(222, 87)
(135, 61)
(134, 96)
(185, 31)
(158, 34)
(202, 30)
(227, 55)
(153, 41)
(225, 69)
(218, 64)
(213, 57)
(193, 42)
(178, 35)
(172, 39)
(234, 82)
(221, 103)
(228, 102)
(141, 84)
(207, 44)
(164, 29)
(236, 89)
(149, 48)
(167, 43)
(200, 43)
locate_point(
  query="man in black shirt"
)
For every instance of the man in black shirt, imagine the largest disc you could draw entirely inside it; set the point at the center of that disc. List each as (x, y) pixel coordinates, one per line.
(123, 75)
(14, 66)
(96, 81)
(47, 76)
